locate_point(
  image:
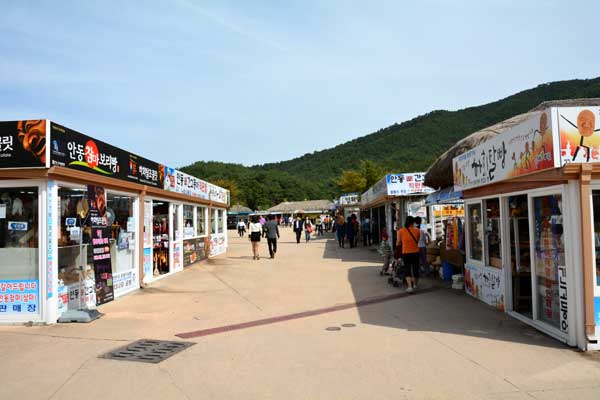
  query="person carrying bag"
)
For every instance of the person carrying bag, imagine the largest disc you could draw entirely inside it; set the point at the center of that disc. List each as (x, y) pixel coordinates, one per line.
(408, 241)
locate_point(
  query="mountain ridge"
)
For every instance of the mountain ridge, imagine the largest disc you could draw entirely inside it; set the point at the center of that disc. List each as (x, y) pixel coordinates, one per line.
(409, 146)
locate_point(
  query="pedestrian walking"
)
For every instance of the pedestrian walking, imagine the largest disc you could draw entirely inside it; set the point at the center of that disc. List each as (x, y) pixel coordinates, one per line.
(271, 232)
(308, 229)
(408, 240)
(241, 226)
(366, 231)
(255, 232)
(262, 220)
(424, 240)
(350, 232)
(319, 226)
(298, 228)
(355, 228)
(340, 230)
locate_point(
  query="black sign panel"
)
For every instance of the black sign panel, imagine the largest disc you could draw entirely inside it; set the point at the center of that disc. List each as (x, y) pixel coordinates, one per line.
(71, 149)
(100, 244)
(23, 144)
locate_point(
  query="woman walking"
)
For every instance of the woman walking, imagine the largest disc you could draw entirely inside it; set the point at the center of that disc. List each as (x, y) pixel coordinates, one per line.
(308, 228)
(255, 233)
(340, 230)
(408, 240)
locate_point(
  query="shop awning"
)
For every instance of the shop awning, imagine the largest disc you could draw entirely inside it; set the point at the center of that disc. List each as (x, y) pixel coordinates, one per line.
(444, 196)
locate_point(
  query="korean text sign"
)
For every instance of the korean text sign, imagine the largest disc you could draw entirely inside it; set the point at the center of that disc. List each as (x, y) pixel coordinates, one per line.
(19, 297)
(520, 150)
(406, 184)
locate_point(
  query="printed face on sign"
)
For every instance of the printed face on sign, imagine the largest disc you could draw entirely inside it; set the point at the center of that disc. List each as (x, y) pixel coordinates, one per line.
(586, 122)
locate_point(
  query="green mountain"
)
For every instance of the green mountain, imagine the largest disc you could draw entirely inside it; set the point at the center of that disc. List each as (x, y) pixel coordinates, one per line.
(410, 146)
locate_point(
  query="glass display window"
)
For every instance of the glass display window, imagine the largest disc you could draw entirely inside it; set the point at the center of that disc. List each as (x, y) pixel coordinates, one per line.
(188, 221)
(19, 235)
(550, 266)
(201, 221)
(213, 221)
(122, 221)
(492, 233)
(475, 232)
(221, 221)
(177, 231)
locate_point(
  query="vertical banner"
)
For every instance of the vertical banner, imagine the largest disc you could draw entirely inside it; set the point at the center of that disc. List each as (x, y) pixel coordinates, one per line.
(100, 244)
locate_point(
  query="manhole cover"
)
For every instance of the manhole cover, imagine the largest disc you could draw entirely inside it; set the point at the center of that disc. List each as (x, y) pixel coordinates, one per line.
(146, 350)
(348, 325)
(333, 328)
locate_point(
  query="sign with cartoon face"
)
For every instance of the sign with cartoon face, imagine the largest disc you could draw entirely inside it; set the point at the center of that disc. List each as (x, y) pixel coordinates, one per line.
(523, 149)
(579, 130)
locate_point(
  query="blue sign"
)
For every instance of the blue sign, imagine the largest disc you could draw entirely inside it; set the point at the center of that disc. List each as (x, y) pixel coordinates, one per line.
(597, 310)
(19, 297)
(17, 226)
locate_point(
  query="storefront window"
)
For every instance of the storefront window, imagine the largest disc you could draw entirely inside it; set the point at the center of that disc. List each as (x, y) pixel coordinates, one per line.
(201, 221)
(220, 221)
(121, 220)
(188, 221)
(550, 265)
(213, 221)
(19, 234)
(492, 233)
(596, 205)
(175, 219)
(475, 232)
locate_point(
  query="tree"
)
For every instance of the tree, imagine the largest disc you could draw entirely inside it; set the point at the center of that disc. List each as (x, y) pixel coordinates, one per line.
(371, 171)
(234, 191)
(352, 181)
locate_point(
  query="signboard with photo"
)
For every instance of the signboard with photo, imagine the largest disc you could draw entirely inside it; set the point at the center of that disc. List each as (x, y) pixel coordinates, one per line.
(23, 144)
(75, 150)
(98, 219)
(180, 182)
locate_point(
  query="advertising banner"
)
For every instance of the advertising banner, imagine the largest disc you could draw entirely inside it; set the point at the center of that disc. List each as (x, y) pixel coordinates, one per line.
(407, 184)
(19, 297)
(520, 150)
(579, 129)
(124, 282)
(23, 144)
(180, 182)
(100, 244)
(485, 284)
(147, 265)
(217, 193)
(75, 150)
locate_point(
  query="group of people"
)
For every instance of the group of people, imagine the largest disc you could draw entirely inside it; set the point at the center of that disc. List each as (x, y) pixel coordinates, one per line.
(410, 254)
(307, 227)
(349, 230)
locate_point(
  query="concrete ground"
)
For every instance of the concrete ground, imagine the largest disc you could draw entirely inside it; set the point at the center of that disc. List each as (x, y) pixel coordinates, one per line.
(436, 344)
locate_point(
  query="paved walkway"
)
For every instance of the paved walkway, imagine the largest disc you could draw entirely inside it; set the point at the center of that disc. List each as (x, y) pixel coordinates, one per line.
(260, 333)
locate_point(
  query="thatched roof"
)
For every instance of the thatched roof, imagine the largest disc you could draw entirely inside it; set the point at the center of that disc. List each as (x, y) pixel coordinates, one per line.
(288, 207)
(239, 209)
(439, 174)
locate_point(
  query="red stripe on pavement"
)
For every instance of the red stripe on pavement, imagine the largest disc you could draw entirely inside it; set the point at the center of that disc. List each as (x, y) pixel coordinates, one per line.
(273, 320)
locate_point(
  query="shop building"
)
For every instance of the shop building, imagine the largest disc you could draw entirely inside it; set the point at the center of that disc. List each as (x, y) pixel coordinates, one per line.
(532, 219)
(394, 197)
(83, 222)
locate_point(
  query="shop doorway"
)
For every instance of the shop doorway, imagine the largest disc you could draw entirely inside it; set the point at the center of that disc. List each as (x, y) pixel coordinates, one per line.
(160, 231)
(520, 255)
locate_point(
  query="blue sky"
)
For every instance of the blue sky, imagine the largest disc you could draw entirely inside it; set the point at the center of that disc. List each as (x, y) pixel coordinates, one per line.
(254, 81)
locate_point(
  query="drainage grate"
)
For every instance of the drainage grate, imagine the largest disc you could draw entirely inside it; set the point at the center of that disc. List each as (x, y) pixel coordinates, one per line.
(146, 350)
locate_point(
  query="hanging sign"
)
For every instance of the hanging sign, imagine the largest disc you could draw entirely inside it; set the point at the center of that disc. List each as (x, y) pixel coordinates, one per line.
(406, 184)
(180, 182)
(100, 244)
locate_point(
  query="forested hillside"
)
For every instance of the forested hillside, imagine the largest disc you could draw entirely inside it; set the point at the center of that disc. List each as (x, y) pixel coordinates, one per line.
(410, 146)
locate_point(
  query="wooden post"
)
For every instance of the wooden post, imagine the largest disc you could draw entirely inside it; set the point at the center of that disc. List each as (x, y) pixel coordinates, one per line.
(587, 249)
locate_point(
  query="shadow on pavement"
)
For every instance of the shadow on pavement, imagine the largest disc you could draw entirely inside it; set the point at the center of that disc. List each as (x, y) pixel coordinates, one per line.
(439, 309)
(356, 254)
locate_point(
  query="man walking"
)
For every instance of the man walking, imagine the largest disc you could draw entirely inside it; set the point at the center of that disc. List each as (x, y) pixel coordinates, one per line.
(271, 232)
(298, 228)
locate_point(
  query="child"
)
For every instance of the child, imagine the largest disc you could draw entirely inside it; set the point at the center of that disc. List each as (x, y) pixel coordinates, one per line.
(386, 251)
